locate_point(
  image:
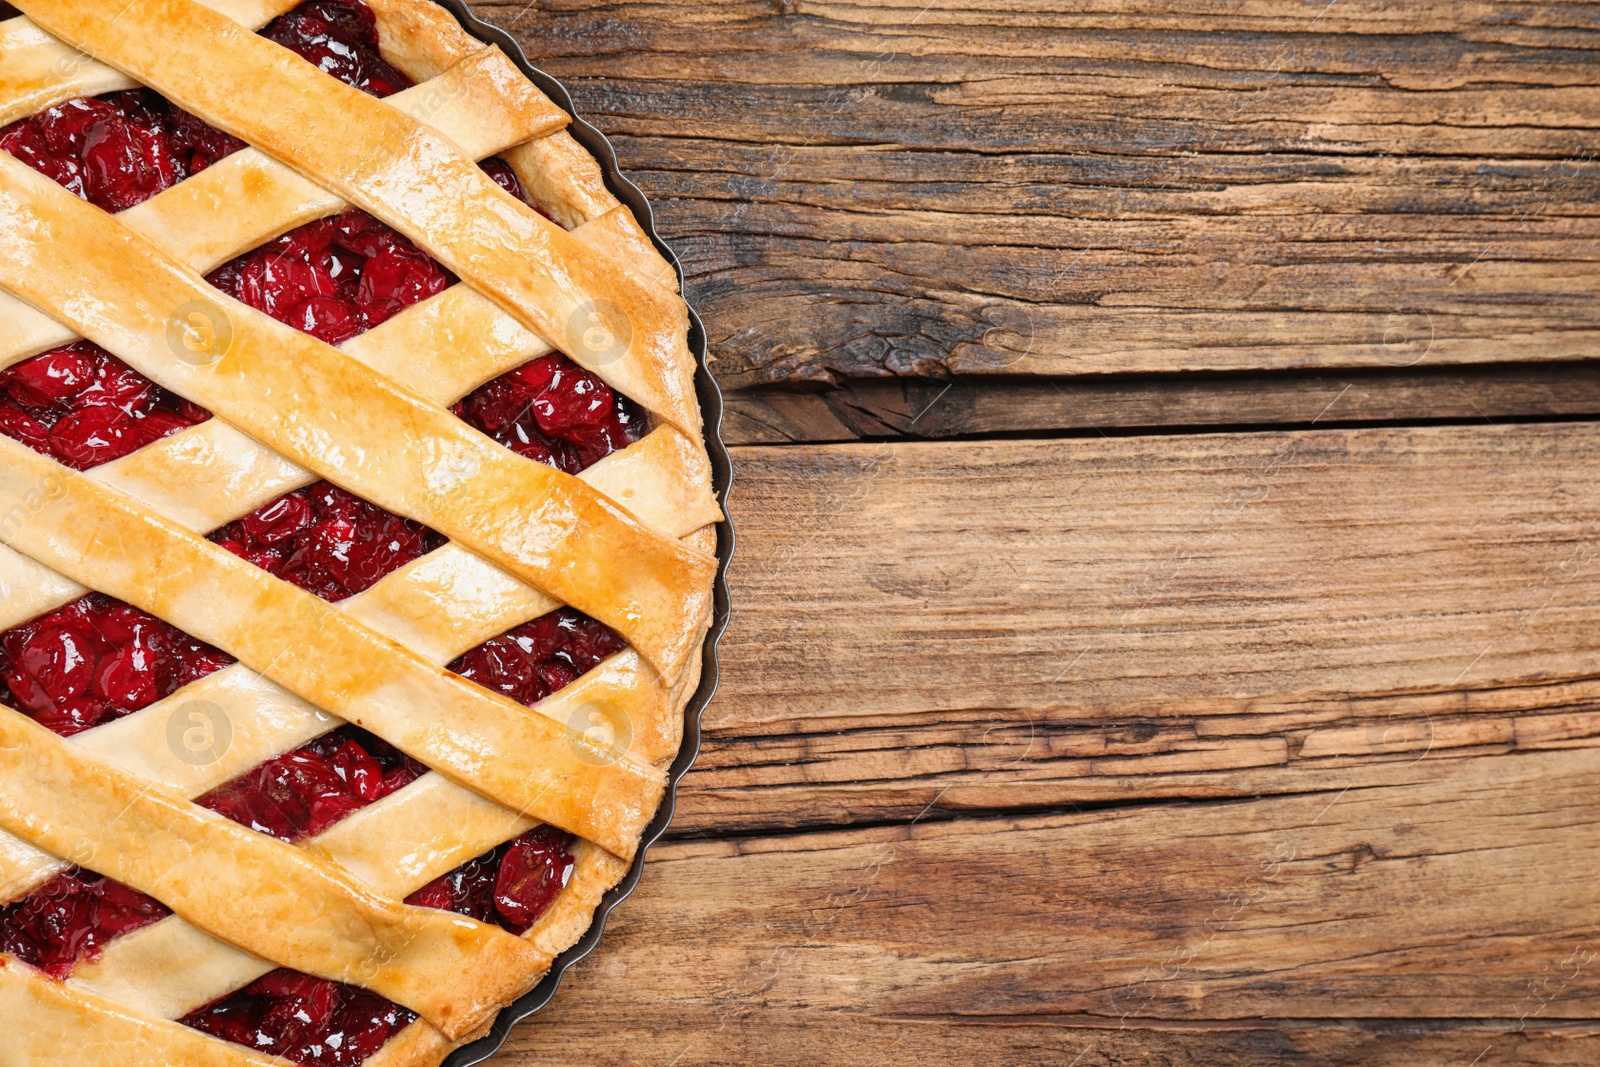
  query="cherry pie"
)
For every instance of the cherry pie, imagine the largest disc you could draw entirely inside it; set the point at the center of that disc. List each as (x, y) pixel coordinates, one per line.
(356, 533)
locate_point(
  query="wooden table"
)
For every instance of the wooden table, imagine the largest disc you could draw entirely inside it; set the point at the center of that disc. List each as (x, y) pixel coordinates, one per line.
(1166, 609)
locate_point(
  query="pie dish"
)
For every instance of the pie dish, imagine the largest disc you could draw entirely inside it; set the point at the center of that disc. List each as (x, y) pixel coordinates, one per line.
(357, 533)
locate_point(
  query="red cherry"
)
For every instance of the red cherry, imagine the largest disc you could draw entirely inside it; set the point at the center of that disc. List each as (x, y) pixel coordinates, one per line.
(553, 411)
(359, 771)
(436, 894)
(65, 129)
(128, 677)
(52, 378)
(93, 436)
(540, 657)
(499, 665)
(198, 145)
(125, 164)
(136, 659)
(21, 427)
(554, 677)
(118, 150)
(120, 386)
(302, 793)
(329, 808)
(533, 872)
(340, 39)
(155, 425)
(85, 407)
(118, 623)
(358, 232)
(395, 279)
(327, 541)
(537, 375)
(279, 520)
(61, 658)
(327, 318)
(402, 776)
(72, 917)
(499, 405)
(73, 715)
(573, 409)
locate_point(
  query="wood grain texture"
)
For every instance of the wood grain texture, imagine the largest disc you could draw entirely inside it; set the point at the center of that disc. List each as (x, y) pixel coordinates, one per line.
(887, 408)
(931, 628)
(1034, 939)
(1037, 188)
(1183, 748)
(1244, 749)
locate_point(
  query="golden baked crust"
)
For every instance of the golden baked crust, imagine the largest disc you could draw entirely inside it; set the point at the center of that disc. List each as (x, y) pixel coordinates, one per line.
(628, 541)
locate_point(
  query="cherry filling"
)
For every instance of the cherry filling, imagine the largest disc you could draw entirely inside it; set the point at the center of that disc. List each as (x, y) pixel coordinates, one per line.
(538, 658)
(84, 407)
(95, 660)
(553, 411)
(304, 1019)
(340, 37)
(510, 886)
(117, 150)
(302, 793)
(327, 541)
(71, 917)
(334, 278)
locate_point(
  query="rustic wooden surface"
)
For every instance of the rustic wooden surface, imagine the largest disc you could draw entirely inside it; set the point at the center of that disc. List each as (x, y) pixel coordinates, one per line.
(1165, 622)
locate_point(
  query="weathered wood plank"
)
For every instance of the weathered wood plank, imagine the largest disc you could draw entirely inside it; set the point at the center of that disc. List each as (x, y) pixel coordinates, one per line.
(968, 407)
(899, 189)
(785, 1038)
(1467, 894)
(939, 627)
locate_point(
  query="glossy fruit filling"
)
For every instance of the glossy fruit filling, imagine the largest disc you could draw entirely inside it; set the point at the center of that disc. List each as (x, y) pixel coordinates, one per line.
(553, 411)
(117, 150)
(83, 406)
(95, 660)
(340, 37)
(304, 1019)
(334, 278)
(510, 886)
(301, 793)
(539, 657)
(327, 541)
(73, 917)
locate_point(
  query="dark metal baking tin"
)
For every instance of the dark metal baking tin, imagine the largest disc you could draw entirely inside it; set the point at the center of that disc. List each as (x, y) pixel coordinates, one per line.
(721, 473)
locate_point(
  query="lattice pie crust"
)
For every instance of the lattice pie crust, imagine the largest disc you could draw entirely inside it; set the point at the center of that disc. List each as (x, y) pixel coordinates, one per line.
(629, 542)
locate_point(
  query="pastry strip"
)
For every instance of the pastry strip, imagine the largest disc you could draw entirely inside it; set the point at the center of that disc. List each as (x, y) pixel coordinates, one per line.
(621, 702)
(439, 606)
(403, 172)
(325, 656)
(189, 478)
(48, 1017)
(416, 35)
(395, 847)
(279, 386)
(248, 198)
(273, 899)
